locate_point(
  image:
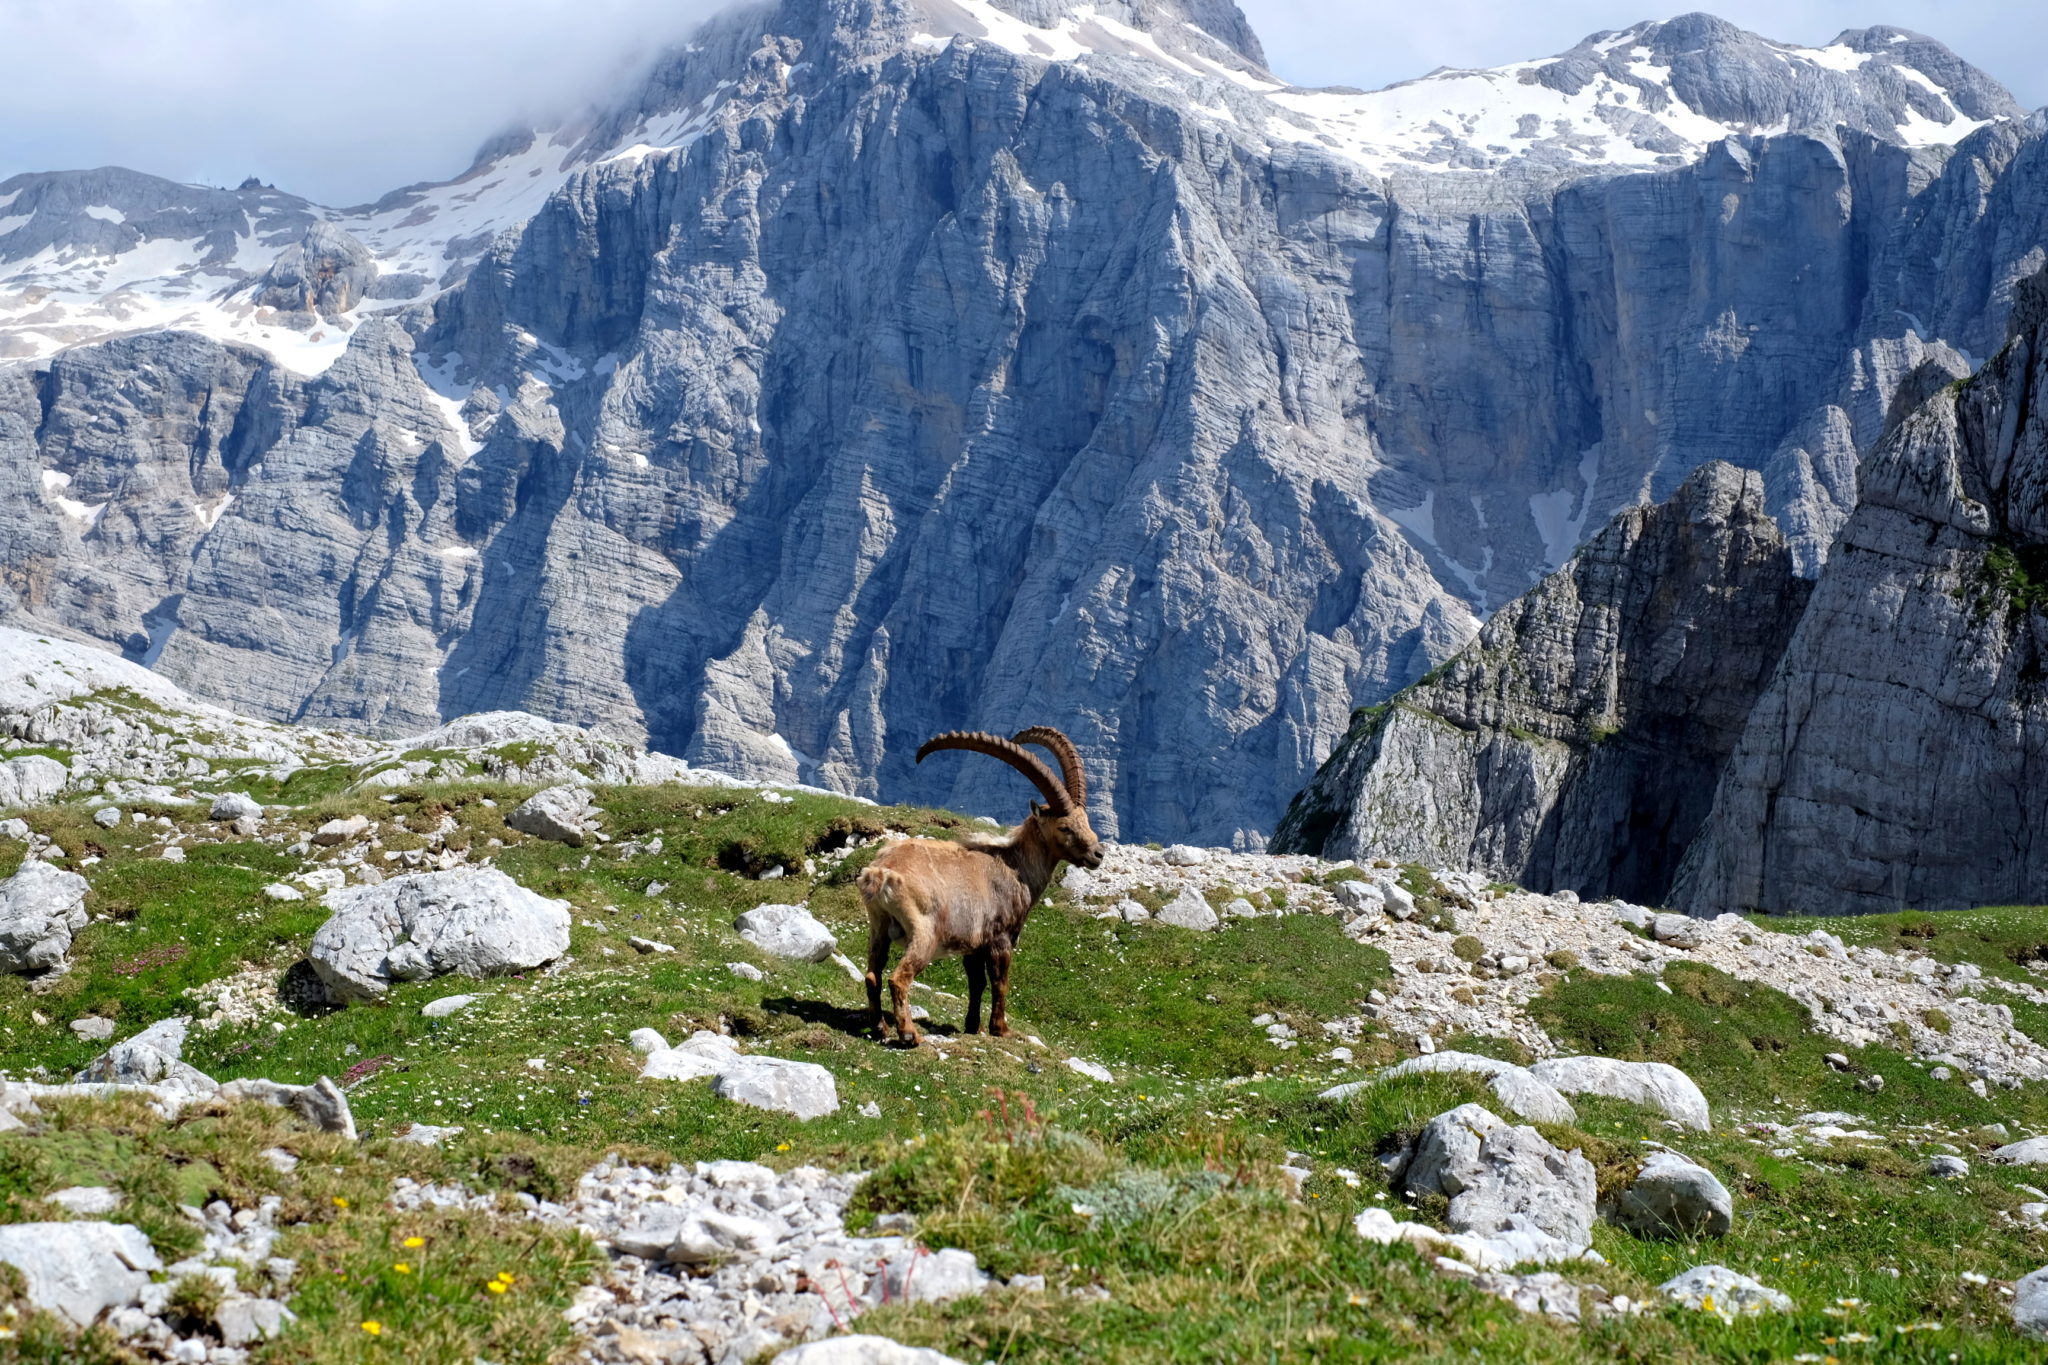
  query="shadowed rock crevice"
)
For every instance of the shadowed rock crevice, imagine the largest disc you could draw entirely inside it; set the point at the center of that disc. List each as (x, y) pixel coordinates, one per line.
(1576, 743)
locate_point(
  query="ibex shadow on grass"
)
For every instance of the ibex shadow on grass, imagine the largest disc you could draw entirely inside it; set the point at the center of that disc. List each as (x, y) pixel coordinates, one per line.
(969, 897)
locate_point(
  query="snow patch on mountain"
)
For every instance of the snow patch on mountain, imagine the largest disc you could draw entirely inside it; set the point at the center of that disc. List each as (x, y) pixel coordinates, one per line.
(93, 254)
(193, 257)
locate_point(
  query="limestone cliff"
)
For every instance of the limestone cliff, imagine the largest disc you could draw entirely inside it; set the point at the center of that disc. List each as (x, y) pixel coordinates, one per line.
(1899, 757)
(1576, 743)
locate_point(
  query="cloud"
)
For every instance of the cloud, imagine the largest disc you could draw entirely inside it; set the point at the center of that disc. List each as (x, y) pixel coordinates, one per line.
(339, 100)
(342, 100)
(1375, 43)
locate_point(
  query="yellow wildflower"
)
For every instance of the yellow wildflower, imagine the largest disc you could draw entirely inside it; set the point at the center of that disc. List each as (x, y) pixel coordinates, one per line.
(403, 1268)
(415, 1241)
(495, 1286)
(374, 1327)
(339, 1202)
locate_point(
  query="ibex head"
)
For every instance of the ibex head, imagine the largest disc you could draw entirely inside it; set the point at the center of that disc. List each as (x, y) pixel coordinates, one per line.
(1062, 821)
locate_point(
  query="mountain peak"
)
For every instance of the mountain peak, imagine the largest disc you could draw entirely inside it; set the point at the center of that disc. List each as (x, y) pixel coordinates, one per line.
(1888, 82)
(91, 253)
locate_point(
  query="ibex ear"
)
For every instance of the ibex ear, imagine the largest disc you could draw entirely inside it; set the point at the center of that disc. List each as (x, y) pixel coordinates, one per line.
(1036, 808)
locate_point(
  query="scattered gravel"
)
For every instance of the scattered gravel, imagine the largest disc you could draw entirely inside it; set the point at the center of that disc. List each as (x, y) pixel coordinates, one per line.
(716, 1263)
(1859, 996)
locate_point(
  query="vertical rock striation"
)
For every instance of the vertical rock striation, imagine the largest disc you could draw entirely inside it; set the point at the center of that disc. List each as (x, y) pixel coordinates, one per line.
(1576, 742)
(1900, 755)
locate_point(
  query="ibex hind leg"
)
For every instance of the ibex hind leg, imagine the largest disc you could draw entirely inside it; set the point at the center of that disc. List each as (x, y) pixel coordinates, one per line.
(917, 955)
(879, 927)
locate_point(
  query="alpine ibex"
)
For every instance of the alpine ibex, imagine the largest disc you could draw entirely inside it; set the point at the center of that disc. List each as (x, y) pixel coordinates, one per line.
(969, 898)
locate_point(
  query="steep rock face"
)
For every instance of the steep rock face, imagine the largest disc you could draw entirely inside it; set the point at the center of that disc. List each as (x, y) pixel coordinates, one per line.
(884, 369)
(1900, 756)
(1575, 744)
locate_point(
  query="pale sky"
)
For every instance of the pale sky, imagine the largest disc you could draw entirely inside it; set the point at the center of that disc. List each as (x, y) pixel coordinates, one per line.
(342, 100)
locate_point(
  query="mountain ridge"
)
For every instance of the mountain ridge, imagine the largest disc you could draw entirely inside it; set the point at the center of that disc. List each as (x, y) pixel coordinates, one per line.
(931, 384)
(672, 103)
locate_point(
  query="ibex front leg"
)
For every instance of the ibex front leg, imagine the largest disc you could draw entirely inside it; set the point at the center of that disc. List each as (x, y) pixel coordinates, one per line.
(999, 975)
(977, 982)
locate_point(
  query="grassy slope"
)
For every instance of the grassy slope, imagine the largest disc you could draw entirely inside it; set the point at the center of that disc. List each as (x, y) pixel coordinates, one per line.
(1240, 1274)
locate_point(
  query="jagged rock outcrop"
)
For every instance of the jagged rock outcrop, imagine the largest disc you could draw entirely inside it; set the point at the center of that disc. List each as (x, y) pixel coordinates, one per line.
(1576, 743)
(1900, 755)
(326, 273)
(876, 370)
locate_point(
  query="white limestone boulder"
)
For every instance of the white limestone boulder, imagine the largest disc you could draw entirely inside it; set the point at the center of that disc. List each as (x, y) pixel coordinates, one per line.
(920, 1276)
(804, 1089)
(1517, 1088)
(322, 1104)
(558, 813)
(1359, 897)
(1654, 1085)
(152, 1057)
(79, 1270)
(1507, 1186)
(86, 1200)
(31, 780)
(340, 830)
(2030, 1304)
(788, 931)
(473, 922)
(2031, 1151)
(1189, 910)
(1674, 1196)
(703, 1054)
(230, 806)
(41, 908)
(1680, 931)
(697, 1237)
